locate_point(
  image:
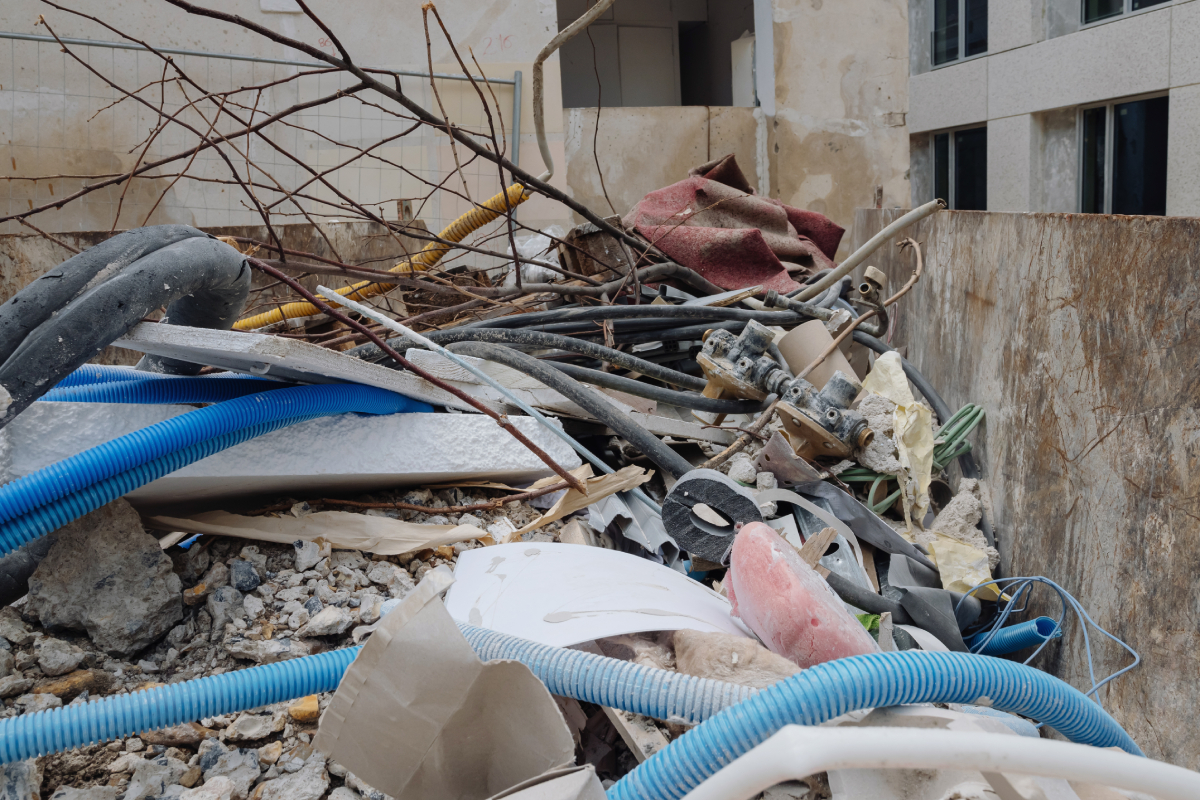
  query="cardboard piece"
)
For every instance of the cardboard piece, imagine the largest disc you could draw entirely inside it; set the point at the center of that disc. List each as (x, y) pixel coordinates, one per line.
(803, 344)
(572, 783)
(622, 480)
(342, 529)
(912, 425)
(419, 717)
(564, 594)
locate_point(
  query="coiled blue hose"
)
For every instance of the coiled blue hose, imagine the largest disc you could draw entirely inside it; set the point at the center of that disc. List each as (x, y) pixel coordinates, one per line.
(816, 695)
(25, 503)
(1016, 637)
(176, 390)
(834, 688)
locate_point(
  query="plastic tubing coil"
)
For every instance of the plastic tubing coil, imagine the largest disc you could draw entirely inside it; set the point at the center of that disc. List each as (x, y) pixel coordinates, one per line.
(816, 695)
(126, 452)
(433, 252)
(834, 688)
(173, 390)
(1015, 637)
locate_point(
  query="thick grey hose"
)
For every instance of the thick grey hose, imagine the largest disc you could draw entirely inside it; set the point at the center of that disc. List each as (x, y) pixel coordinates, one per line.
(657, 393)
(50, 293)
(874, 243)
(966, 461)
(644, 441)
(206, 283)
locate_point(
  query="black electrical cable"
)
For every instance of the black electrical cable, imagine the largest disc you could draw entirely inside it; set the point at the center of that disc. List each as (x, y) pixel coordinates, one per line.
(546, 340)
(644, 441)
(600, 313)
(657, 393)
(966, 461)
(202, 281)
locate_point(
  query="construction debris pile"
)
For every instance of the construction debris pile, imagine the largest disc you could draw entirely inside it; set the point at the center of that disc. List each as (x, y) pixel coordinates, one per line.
(658, 512)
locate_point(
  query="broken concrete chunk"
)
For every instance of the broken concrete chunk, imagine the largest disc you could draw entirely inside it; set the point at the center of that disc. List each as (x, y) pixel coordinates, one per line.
(307, 555)
(153, 777)
(32, 703)
(309, 783)
(734, 659)
(244, 576)
(21, 780)
(262, 651)
(219, 788)
(239, 766)
(56, 657)
(306, 710)
(108, 577)
(741, 469)
(253, 606)
(331, 621)
(252, 727)
(382, 572)
(13, 628)
(224, 606)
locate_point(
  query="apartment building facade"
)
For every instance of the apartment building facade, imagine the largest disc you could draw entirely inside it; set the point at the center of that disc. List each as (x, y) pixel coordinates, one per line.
(1086, 106)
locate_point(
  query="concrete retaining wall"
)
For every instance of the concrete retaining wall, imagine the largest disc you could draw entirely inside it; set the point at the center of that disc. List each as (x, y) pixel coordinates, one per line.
(1078, 334)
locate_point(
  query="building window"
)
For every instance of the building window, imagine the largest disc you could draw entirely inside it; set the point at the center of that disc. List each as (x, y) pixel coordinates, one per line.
(1099, 10)
(1124, 158)
(959, 30)
(960, 168)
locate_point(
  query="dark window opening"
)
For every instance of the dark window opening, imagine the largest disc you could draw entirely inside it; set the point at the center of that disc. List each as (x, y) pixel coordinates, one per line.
(1095, 125)
(959, 29)
(1140, 157)
(970, 170)
(1099, 10)
(1124, 158)
(941, 166)
(960, 168)
(977, 27)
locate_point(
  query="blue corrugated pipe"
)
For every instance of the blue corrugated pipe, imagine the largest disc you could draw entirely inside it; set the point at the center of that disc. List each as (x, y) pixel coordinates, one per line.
(834, 688)
(1016, 637)
(813, 696)
(42, 501)
(101, 373)
(159, 392)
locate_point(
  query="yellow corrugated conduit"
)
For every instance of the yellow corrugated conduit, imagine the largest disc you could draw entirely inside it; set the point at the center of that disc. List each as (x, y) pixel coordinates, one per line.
(456, 231)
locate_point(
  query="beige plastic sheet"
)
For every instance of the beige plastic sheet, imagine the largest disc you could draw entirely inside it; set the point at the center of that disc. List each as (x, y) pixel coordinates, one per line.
(912, 425)
(419, 717)
(962, 567)
(342, 529)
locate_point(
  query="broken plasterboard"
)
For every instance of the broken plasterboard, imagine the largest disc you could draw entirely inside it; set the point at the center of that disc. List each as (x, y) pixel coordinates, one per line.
(356, 452)
(564, 594)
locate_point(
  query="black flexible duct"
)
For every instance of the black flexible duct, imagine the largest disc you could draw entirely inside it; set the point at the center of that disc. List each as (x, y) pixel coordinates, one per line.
(204, 281)
(40, 300)
(657, 393)
(870, 602)
(646, 442)
(966, 461)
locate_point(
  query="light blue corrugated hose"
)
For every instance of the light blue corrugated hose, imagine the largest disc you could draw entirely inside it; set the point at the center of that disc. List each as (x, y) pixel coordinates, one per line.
(43, 501)
(1015, 638)
(729, 728)
(834, 688)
